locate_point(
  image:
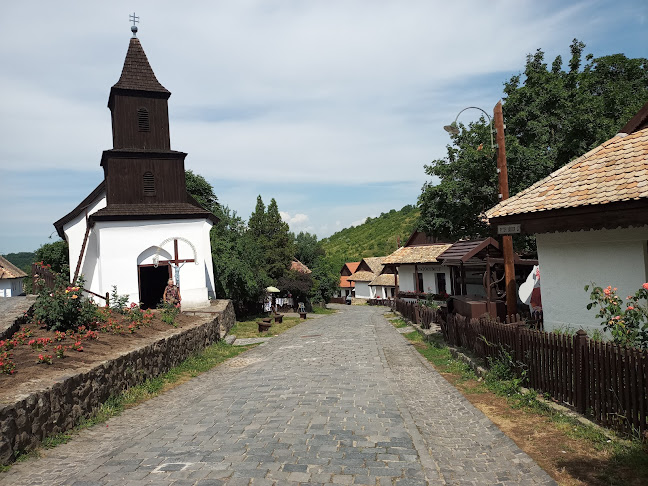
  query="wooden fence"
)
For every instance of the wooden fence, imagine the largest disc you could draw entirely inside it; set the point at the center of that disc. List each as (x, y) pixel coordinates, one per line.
(43, 277)
(609, 383)
(602, 380)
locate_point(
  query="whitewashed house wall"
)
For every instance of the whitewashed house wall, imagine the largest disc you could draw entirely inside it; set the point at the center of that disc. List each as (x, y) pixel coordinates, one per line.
(407, 283)
(571, 260)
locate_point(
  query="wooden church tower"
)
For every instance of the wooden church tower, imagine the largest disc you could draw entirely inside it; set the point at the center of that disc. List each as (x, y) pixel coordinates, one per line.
(140, 226)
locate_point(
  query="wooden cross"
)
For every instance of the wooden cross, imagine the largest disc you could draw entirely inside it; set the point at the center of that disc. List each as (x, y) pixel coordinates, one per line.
(177, 263)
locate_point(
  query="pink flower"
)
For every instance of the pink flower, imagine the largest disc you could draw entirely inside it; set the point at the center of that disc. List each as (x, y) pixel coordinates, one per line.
(617, 317)
(630, 307)
(606, 291)
(645, 286)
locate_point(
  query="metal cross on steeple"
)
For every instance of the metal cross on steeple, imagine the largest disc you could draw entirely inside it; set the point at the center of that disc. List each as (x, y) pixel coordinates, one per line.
(135, 19)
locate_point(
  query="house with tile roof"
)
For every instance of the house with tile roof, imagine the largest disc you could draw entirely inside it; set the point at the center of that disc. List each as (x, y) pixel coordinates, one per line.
(368, 269)
(347, 287)
(140, 227)
(11, 279)
(590, 219)
(298, 266)
(417, 268)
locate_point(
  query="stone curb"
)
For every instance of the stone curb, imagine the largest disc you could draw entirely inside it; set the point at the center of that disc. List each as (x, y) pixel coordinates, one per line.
(57, 408)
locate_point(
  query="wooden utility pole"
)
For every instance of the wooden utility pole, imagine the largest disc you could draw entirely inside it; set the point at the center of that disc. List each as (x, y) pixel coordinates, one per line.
(507, 240)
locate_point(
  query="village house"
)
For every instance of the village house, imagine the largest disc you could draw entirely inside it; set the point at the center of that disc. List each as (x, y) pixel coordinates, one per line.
(140, 227)
(368, 269)
(347, 287)
(11, 279)
(417, 269)
(590, 219)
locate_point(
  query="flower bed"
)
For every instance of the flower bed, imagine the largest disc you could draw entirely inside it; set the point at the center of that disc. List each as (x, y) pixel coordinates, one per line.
(87, 366)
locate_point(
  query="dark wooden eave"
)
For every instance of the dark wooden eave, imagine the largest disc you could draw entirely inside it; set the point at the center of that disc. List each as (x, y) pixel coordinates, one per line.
(92, 197)
(463, 251)
(139, 212)
(621, 214)
(637, 122)
(134, 153)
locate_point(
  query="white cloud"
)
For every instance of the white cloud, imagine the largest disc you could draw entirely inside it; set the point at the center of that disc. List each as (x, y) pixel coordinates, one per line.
(269, 92)
(298, 222)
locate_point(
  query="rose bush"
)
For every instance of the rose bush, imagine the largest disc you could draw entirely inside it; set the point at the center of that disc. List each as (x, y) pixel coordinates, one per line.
(627, 322)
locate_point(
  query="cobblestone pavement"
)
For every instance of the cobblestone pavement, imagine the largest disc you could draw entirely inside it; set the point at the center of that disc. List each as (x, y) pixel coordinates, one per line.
(341, 400)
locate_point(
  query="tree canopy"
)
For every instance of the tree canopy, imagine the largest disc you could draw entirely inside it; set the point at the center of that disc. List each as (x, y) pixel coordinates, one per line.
(552, 116)
(201, 190)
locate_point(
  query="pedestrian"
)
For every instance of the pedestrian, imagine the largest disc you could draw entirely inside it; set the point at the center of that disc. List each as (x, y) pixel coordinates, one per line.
(172, 294)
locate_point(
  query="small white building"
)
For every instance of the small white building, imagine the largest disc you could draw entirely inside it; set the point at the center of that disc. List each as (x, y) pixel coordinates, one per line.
(590, 219)
(368, 269)
(140, 227)
(383, 286)
(11, 279)
(417, 268)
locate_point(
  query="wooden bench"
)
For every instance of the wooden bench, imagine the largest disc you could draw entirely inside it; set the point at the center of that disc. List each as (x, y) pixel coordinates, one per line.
(278, 318)
(264, 325)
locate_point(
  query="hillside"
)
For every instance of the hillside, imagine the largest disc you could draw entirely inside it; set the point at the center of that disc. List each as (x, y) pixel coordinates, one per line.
(22, 260)
(375, 237)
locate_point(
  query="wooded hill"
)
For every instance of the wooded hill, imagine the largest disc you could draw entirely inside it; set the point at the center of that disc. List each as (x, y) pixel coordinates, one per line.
(375, 237)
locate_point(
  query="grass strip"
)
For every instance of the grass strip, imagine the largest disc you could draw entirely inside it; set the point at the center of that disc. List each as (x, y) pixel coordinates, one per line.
(191, 367)
(620, 453)
(250, 328)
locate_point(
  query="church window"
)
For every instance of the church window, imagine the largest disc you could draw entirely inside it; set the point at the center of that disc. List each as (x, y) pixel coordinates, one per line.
(149, 184)
(143, 120)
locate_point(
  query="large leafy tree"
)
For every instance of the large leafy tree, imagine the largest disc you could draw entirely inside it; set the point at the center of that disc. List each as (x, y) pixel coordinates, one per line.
(201, 190)
(238, 261)
(55, 254)
(308, 249)
(552, 115)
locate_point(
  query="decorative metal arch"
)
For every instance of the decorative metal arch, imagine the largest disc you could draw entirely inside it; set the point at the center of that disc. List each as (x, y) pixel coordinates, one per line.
(156, 257)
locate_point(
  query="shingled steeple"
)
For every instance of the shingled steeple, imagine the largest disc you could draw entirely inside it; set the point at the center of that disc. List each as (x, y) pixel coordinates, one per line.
(138, 103)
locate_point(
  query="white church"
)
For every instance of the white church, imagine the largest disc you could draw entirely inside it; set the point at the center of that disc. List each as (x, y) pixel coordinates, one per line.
(140, 227)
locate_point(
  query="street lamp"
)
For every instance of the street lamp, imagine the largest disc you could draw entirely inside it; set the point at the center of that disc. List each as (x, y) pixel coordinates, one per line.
(502, 173)
(454, 130)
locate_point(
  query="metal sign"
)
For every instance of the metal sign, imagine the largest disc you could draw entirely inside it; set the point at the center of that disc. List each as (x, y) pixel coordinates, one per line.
(508, 229)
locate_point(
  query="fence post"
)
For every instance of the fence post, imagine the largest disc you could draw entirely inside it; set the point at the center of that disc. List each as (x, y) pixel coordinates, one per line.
(580, 380)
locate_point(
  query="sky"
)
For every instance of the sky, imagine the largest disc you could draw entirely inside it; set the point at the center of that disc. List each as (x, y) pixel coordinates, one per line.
(332, 107)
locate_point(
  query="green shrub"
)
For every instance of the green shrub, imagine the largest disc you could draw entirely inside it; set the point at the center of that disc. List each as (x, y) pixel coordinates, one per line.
(65, 307)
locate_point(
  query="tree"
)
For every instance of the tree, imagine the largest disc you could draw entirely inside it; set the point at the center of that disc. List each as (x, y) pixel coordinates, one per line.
(280, 248)
(552, 116)
(308, 249)
(201, 190)
(56, 254)
(238, 262)
(326, 278)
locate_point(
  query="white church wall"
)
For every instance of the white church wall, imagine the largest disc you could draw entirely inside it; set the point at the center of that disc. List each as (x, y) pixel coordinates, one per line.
(75, 233)
(122, 243)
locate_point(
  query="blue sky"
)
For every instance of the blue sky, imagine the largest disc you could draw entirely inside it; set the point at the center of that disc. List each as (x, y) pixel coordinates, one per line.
(332, 107)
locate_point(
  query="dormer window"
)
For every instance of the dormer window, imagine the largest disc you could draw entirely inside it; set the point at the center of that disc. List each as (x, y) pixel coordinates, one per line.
(149, 184)
(143, 120)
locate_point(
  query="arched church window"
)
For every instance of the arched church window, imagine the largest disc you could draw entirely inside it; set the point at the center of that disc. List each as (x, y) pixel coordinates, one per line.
(143, 120)
(149, 184)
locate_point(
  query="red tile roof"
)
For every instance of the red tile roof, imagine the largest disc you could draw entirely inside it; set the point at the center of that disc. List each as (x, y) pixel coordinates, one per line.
(299, 267)
(615, 171)
(344, 282)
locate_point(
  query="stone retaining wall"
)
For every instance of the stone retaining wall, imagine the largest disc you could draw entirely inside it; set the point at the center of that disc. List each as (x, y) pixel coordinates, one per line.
(24, 424)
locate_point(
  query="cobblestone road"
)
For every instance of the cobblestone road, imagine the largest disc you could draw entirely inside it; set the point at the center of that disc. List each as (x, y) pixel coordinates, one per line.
(338, 400)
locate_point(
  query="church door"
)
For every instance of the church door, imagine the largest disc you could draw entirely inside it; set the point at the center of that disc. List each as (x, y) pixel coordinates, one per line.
(152, 282)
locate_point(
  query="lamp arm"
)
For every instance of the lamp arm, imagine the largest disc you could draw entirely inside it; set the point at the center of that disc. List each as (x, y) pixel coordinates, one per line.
(490, 119)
